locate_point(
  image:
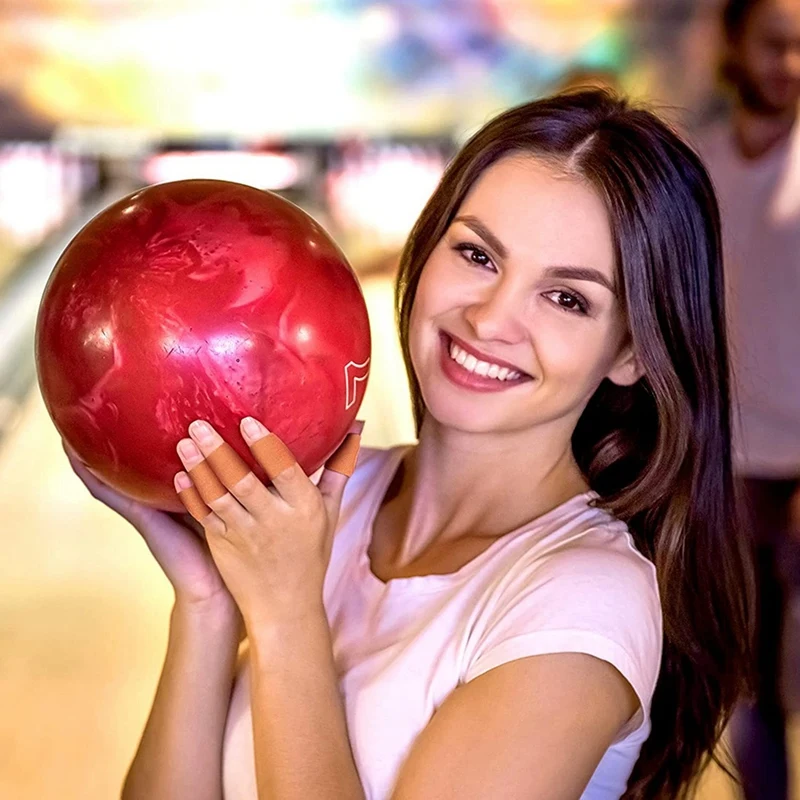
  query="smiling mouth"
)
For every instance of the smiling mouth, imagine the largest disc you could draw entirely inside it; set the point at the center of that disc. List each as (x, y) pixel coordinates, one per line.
(497, 374)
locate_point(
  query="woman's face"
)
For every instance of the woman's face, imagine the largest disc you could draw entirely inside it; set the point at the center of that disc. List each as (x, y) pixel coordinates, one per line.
(521, 286)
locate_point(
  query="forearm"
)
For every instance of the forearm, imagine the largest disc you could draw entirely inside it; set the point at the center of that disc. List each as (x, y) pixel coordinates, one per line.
(302, 747)
(180, 754)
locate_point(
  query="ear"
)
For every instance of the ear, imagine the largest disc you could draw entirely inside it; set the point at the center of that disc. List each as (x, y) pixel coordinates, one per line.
(626, 369)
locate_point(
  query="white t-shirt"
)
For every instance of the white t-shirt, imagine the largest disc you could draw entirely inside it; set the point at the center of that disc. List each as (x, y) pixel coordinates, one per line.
(760, 207)
(571, 581)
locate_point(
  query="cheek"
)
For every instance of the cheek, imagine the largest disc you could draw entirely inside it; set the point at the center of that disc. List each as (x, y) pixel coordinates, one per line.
(432, 281)
(423, 308)
(750, 59)
(434, 293)
(764, 64)
(579, 353)
(419, 313)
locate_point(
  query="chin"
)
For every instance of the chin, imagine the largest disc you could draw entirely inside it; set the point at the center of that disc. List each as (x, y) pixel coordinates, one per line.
(458, 414)
(774, 101)
(464, 424)
(785, 102)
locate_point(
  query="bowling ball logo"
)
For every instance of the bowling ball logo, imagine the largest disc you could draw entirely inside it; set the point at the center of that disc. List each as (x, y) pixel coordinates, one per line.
(199, 299)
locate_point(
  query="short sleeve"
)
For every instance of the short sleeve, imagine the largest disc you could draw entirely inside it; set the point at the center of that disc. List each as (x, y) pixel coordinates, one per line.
(599, 598)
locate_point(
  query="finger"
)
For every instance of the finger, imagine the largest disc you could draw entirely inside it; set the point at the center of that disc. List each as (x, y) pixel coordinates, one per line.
(71, 454)
(344, 459)
(87, 475)
(138, 514)
(211, 490)
(238, 478)
(99, 489)
(80, 469)
(338, 469)
(194, 504)
(190, 497)
(289, 480)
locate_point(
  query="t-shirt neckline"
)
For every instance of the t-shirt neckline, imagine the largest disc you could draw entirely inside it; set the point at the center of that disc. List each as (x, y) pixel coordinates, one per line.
(428, 583)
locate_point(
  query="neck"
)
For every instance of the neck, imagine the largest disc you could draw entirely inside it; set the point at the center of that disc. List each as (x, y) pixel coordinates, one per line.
(757, 134)
(458, 484)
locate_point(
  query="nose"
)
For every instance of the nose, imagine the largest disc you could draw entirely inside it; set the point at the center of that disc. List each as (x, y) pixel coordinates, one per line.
(497, 315)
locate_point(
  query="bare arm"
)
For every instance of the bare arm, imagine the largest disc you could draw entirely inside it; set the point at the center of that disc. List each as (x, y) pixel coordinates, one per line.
(180, 753)
(535, 727)
(302, 747)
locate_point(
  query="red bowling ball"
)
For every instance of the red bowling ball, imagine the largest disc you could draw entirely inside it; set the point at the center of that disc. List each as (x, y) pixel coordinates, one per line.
(193, 300)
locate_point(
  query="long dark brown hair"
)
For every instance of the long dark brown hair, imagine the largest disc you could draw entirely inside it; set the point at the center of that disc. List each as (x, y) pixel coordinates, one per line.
(657, 452)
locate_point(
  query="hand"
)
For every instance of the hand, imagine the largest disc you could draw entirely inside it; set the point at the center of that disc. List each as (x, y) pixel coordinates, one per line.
(271, 544)
(175, 540)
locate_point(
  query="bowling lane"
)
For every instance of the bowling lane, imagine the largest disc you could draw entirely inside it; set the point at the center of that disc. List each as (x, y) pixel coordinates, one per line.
(19, 302)
(84, 608)
(83, 615)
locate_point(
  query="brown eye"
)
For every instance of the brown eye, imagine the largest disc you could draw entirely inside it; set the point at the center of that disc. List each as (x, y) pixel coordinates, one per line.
(568, 301)
(474, 254)
(479, 257)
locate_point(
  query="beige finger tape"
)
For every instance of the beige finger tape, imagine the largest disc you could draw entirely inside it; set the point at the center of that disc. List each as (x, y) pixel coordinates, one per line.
(194, 503)
(345, 457)
(207, 483)
(273, 455)
(228, 465)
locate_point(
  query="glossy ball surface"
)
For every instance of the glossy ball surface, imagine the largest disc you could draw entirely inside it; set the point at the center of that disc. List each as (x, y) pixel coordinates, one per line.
(199, 299)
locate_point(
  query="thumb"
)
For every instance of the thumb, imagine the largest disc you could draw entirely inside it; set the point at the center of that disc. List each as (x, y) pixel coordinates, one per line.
(137, 514)
(339, 468)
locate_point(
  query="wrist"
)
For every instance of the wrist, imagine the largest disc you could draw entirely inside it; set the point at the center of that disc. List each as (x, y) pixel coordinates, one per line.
(278, 637)
(218, 615)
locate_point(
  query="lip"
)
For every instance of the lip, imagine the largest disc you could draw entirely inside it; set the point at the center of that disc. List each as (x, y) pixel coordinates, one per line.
(483, 356)
(456, 374)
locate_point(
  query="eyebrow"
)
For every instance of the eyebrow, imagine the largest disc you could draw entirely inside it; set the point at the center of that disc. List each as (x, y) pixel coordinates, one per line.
(565, 272)
(582, 274)
(475, 225)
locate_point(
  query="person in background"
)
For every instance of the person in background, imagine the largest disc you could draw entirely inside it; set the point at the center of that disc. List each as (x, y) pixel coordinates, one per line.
(753, 157)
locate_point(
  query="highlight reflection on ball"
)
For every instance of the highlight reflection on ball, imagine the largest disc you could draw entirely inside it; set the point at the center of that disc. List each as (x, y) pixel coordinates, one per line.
(193, 300)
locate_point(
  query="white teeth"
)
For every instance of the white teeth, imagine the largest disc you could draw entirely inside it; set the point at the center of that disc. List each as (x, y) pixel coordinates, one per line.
(471, 364)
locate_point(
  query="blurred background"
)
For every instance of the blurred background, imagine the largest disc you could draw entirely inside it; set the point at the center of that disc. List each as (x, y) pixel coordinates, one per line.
(350, 108)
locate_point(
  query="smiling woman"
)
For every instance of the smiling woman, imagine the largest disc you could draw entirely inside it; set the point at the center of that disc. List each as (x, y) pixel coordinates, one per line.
(542, 598)
(578, 238)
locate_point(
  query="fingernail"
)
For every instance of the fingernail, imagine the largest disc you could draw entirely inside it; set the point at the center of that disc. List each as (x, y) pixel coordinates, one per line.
(183, 481)
(188, 449)
(201, 431)
(253, 428)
